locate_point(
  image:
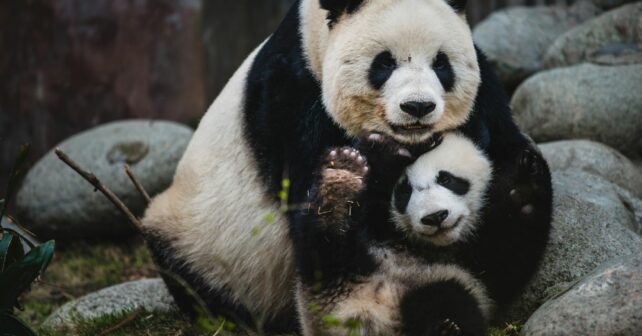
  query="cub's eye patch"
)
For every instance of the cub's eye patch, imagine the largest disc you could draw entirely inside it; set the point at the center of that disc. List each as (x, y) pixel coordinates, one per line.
(402, 193)
(381, 69)
(442, 67)
(453, 183)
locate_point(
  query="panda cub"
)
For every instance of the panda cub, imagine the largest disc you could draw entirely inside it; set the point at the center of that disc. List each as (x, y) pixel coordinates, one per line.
(351, 279)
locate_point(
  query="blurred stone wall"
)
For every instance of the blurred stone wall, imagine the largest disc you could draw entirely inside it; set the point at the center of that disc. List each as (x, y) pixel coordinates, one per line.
(69, 65)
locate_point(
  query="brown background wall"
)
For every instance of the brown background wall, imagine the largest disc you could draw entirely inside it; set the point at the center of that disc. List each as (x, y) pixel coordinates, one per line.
(69, 65)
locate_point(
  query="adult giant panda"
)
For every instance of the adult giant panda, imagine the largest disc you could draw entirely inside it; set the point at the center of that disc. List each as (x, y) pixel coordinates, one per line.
(333, 70)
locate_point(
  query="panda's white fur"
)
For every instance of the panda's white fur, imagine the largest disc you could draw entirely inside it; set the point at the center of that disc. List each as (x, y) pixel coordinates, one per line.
(216, 203)
(214, 215)
(458, 156)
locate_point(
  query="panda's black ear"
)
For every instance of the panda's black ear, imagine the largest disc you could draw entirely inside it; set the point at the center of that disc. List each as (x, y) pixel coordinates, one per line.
(336, 8)
(458, 5)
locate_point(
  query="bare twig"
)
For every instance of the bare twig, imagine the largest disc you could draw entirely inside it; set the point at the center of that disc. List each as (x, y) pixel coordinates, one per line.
(122, 323)
(91, 178)
(137, 183)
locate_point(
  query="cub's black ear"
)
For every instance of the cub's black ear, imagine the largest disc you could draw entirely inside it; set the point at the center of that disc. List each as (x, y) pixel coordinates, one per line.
(458, 5)
(336, 8)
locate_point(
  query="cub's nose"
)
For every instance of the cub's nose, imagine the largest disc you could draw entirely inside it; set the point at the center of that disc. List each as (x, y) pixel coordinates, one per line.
(435, 219)
(418, 109)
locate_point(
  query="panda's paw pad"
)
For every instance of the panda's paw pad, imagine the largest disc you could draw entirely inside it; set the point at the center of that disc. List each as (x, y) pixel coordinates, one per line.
(448, 328)
(342, 176)
(348, 159)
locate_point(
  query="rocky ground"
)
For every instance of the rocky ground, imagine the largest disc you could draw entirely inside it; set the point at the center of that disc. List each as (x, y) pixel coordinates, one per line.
(575, 75)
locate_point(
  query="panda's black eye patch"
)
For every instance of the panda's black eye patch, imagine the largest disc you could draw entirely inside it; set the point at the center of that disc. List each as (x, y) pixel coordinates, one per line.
(381, 69)
(453, 183)
(402, 193)
(444, 70)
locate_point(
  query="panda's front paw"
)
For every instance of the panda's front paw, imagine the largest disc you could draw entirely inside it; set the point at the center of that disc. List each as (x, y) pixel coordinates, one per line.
(448, 328)
(381, 148)
(342, 180)
(348, 159)
(387, 157)
(530, 167)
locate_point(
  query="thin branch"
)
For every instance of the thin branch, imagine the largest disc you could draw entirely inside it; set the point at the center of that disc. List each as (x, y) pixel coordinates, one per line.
(91, 178)
(137, 183)
(122, 323)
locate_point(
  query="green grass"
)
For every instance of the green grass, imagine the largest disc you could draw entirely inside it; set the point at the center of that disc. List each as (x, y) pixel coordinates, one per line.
(129, 323)
(83, 268)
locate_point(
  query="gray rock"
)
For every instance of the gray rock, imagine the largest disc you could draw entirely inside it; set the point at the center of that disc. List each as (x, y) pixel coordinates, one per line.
(592, 223)
(606, 302)
(595, 158)
(608, 4)
(54, 201)
(611, 38)
(601, 103)
(515, 39)
(149, 294)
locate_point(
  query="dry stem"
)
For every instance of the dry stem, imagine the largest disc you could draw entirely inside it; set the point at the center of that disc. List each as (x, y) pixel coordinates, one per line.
(91, 178)
(122, 323)
(137, 183)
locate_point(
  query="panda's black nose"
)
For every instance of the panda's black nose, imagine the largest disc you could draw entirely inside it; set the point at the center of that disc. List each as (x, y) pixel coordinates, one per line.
(435, 219)
(418, 109)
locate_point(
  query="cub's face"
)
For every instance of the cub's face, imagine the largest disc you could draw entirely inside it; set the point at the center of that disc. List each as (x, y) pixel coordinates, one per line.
(405, 68)
(439, 198)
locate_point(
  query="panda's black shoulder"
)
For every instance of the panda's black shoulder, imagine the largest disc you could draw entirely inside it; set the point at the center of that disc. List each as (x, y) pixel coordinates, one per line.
(283, 114)
(491, 125)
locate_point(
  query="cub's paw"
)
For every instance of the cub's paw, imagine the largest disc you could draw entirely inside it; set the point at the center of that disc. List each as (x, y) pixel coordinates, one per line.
(530, 167)
(347, 159)
(342, 180)
(448, 328)
(381, 149)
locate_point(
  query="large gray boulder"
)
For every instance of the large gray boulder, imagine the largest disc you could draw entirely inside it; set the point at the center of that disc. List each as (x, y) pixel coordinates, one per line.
(54, 201)
(592, 223)
(595, 158)
(606, 302)
(611, 38)
(149, 294)
(516, 38)
(601, 103)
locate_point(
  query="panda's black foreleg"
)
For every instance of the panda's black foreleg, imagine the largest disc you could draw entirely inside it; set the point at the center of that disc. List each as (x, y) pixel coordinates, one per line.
(511, 244)
(330, 242)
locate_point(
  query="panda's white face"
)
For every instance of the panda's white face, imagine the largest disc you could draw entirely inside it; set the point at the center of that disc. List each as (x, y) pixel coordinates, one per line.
(406, 68)
(441, 194)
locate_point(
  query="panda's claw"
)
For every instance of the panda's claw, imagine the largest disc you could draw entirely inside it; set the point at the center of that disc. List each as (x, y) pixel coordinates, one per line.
(529, 163)
(348, 159)
(448, 328)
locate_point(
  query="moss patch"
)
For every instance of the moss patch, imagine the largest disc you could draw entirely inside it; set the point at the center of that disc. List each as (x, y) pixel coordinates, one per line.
(83, 268)
(130, 323)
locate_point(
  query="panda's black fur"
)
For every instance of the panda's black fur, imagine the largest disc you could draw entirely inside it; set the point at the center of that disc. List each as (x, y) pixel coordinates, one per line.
(288, 130)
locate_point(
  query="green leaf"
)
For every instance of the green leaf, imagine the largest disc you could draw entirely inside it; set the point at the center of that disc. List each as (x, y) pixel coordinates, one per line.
(18, 277)
(12, 326)
(10, 250)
